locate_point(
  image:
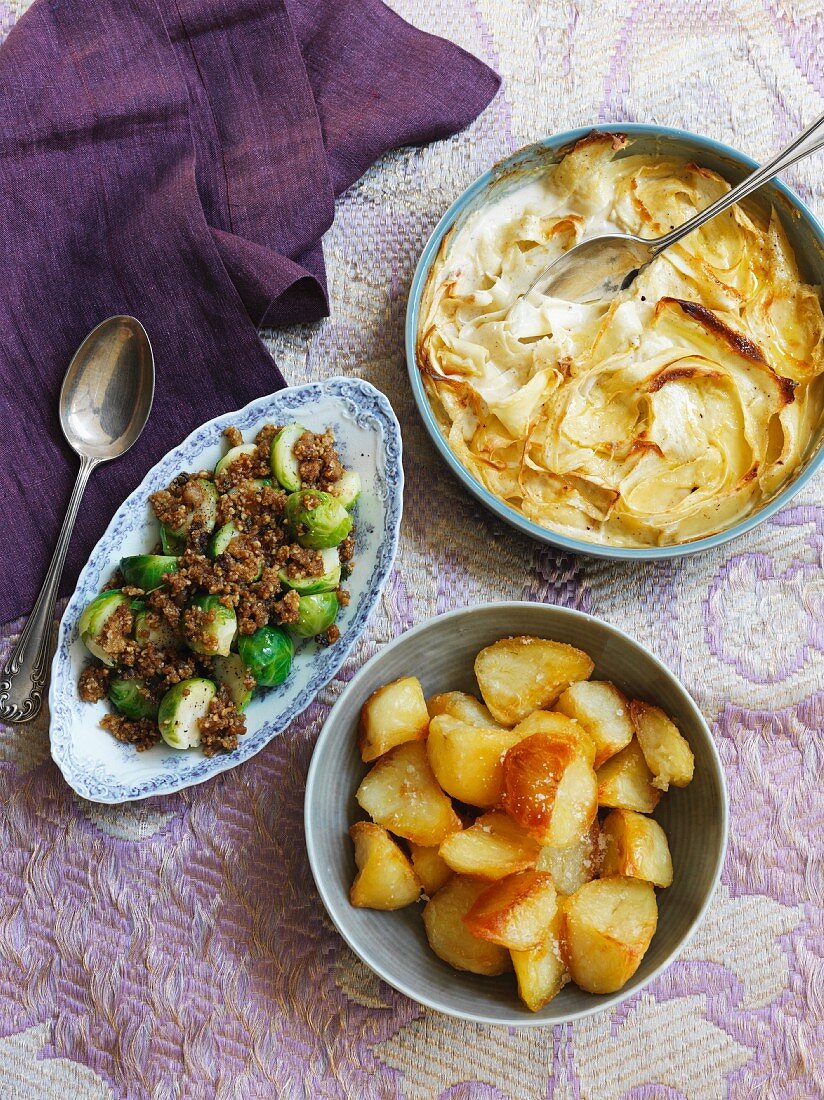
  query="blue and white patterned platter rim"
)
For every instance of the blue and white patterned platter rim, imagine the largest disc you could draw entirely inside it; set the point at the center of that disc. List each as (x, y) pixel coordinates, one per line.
(368, 439)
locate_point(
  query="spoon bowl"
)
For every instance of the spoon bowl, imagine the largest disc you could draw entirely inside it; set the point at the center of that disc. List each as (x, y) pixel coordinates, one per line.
(594, 269)
(105, 401)
(107, 393)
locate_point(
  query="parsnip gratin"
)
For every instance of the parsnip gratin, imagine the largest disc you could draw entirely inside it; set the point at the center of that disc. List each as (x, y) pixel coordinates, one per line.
(664, 416)
(521, 821)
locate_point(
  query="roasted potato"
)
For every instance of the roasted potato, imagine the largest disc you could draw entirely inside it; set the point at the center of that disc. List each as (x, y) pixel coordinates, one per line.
(393, 714)
(635, 846)
(549, 789)
(541, 971)
(467, 760)
(449, 936)
(557, 726)
(516, 912)
(429, 867)
(495, 846)
(573, 865)
(460, 705)
(401, 793)
(665, 750)
(385, 878)
(625, 781)
(519, 675)
(607, 928)
(603, 711)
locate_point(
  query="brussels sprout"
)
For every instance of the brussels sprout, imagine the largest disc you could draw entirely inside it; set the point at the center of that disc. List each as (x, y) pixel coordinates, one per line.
(95, 617)
(219, 632)
(220, 540)
(172, 544)
(181, 709)
(148, 571)
(131, 698)
(282, 459)
(256, 483)
(150, 626)
(235, 677)
(233, 455)
(326, 523)
(347, 489)
(203, 513)
(267, 654)
(325, 583)
(316, 614)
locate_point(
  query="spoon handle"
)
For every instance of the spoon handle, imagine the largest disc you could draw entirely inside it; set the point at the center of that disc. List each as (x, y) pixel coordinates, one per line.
(23, 677)
(807, 142)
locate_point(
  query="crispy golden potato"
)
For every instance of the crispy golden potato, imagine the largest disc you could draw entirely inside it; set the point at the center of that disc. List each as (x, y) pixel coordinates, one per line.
(603, 711)
(576, 805)
(393, 714)
(665, 750)
(608, 925)
(541, 971)
(519, 675)
(573, 865)
(557, 726)
(635, 846)
(467, 760)
(495, 846)
(516, 912)
(449, 936)
(429, 867)
(385, 878)
(625, 781)
(549, 789)
(402, 794)
(460, 705)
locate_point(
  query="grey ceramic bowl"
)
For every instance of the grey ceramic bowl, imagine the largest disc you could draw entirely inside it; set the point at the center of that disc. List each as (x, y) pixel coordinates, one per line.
(441, 652)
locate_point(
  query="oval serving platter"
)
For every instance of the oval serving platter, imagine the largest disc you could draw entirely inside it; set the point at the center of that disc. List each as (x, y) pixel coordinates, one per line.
(368, 438)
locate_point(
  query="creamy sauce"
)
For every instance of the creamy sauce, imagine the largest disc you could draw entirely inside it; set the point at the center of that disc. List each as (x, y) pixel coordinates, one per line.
(664, 416)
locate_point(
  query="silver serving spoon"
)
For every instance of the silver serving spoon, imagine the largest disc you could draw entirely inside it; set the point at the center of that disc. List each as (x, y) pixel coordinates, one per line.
(602, 266)
(105, 401)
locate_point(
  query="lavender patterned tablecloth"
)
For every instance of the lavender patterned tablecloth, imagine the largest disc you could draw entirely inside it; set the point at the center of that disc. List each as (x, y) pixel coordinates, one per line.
(177, 948)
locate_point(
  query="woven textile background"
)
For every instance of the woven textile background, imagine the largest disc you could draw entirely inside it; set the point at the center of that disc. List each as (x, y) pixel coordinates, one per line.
(177, 948)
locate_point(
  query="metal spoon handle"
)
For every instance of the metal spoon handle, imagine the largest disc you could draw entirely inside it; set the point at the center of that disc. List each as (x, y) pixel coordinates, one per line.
(807, 142)
(23, 676)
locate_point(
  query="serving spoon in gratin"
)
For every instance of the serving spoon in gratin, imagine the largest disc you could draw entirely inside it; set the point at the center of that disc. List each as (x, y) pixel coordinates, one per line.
(601, 267)
(105, 402)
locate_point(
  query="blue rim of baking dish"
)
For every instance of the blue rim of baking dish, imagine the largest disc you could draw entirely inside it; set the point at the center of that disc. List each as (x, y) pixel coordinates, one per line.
(554, 144)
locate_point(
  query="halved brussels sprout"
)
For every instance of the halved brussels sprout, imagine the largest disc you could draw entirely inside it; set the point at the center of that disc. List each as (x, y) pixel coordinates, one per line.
(256, 483)
(267, 654)
(285, 466)
(220, 540)
(150, 626)
(234, 675)
(203, 513)
(317, 519)
(219, 633)
(148, 571)
(325, 583)
(347, 489)
(172, 544)
(316, 614)
(131, 698)
(181, 709)
(233, 455)
(95, 617)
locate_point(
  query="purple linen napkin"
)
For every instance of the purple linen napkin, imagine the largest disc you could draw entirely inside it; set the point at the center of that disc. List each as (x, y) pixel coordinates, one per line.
(178, 160)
